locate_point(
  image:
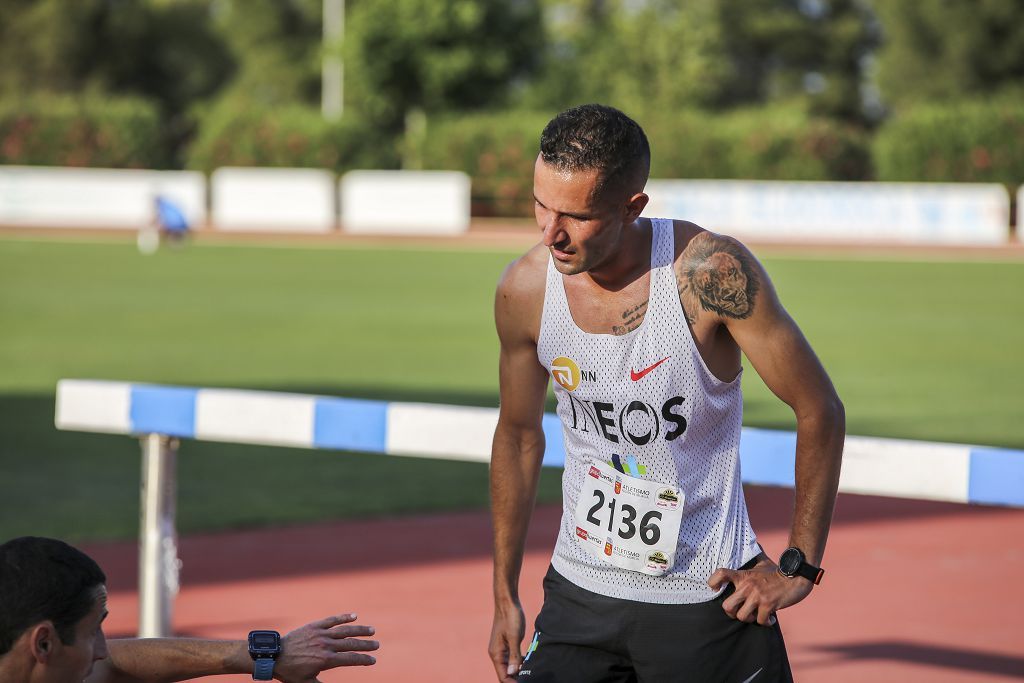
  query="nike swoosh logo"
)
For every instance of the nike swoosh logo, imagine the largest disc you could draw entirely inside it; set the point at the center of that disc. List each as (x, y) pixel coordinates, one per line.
(634, 375)
(754, 676)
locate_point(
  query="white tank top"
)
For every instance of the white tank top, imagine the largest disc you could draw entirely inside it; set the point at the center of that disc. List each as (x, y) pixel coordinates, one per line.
(685, 434)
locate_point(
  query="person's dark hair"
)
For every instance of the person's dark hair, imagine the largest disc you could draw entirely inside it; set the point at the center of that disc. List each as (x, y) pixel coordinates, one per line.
(44, 579)
(593, 136)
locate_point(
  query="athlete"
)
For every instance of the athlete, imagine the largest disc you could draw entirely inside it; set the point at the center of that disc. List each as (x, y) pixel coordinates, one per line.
(656, 573)
(53, 603)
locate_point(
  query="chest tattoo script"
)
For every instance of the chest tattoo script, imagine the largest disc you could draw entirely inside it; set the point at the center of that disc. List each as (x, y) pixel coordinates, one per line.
(716, 274)
(713, 274)
(631, 319)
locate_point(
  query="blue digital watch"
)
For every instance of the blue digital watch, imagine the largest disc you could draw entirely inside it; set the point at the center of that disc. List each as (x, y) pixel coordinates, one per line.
(264, 648)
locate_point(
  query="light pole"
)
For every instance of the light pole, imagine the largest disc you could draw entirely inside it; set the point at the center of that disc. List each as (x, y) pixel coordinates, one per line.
(332, 98)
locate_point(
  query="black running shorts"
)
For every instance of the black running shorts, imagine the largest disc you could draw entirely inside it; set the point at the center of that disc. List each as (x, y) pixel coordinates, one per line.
(583, 637)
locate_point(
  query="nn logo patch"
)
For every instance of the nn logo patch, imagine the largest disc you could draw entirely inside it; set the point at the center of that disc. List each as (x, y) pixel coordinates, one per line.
(568, 375)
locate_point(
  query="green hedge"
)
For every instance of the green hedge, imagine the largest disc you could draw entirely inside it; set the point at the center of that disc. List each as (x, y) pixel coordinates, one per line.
(234, 134)
(498, 150)
(57, 130)
(756, 144)
(966, 142)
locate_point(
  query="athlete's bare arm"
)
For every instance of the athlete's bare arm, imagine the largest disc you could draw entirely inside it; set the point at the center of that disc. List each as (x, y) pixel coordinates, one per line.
(306, 651)
(518, 448)
(721, 283)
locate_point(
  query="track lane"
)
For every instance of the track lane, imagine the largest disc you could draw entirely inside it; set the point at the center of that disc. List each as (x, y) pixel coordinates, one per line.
(914, 590)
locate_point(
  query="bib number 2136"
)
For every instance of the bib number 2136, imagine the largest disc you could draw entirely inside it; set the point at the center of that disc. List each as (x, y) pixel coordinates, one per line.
(628, 522)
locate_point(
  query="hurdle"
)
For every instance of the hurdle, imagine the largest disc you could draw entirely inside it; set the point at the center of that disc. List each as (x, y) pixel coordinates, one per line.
(160, 415)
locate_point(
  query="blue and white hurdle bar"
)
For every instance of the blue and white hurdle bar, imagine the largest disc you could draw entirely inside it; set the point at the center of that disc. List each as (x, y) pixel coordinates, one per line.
(160, 415)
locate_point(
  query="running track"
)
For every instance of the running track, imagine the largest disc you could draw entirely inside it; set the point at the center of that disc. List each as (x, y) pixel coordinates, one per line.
(914, 590)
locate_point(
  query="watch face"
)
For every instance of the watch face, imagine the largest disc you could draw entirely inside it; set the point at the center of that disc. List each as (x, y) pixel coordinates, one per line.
(264, 642)
(790, 561)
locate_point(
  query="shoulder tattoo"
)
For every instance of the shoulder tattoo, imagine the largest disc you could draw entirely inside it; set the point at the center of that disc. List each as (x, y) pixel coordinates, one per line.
(716, 274)
(685, 299)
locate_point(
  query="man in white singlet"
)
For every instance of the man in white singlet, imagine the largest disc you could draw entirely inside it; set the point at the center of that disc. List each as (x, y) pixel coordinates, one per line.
(640, 323)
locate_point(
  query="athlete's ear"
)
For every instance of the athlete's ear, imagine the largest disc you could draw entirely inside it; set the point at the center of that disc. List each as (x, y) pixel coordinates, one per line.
(635, 206)
(42, 639)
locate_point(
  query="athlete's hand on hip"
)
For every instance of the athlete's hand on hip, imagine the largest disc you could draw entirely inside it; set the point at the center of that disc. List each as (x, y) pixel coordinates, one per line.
(506, 640)
(322, 645)
(759, 591)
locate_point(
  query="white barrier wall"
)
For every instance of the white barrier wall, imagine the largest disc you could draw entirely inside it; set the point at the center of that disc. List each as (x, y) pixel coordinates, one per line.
(438, 203)
(273, 199)
(405, 202)
(918, 213)
(42, 196)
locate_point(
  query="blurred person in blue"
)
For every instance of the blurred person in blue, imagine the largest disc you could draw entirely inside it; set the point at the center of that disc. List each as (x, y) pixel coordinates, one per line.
(169, 225)
(53, 600)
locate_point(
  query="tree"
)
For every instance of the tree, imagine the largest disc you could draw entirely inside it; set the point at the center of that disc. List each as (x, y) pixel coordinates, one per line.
(276, 44)
(162, 51)
(663, 55)
(842, 35)
(943, 50)
(638, 56)
(431, 55)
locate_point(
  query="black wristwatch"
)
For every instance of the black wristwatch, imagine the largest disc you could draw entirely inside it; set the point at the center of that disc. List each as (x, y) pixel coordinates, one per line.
(794, 563)
(264, 648)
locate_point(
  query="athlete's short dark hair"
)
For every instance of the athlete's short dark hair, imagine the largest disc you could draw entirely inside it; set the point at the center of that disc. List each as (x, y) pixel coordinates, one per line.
(594, 136)
(44, 579)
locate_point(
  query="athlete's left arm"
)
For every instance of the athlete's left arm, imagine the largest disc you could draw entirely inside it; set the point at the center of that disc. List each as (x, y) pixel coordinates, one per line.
(305, 652)
(736, 285)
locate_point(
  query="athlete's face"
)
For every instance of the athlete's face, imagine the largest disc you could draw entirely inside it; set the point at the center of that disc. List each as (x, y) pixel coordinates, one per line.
(581, 229)
(72, 663)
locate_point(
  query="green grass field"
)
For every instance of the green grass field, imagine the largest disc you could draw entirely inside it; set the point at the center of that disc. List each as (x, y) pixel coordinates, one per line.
(917, 349)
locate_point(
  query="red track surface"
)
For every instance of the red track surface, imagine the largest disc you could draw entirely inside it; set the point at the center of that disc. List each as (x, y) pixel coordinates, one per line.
(914, 590)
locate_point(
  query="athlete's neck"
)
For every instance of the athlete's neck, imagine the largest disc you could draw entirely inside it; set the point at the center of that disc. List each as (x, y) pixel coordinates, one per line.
(628, 260)
(11, 671)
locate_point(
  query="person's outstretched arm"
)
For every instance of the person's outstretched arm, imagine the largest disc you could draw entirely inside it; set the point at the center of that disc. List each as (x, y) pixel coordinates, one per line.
(305, 652)
(516, 456)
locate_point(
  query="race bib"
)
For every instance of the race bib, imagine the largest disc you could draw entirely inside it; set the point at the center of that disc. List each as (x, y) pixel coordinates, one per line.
(628, 522)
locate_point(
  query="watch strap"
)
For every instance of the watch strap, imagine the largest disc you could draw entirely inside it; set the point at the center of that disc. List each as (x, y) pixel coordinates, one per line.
(811, 573)
(263, 669)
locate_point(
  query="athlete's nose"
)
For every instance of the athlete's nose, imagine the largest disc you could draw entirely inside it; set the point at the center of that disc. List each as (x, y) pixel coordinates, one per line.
(100, 650)
(551, 230)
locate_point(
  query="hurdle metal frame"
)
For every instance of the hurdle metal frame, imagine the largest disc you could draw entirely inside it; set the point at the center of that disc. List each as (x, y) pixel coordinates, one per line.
(158, 540)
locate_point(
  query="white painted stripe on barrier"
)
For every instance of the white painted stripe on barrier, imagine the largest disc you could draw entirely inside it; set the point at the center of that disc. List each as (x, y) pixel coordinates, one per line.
(94, 406)
(95, 197)
(277, 199)
(876, 466)
(926, 213)
(1020, 214)
(451, 432)
(255, 417)
(910, 469)
(405, 202)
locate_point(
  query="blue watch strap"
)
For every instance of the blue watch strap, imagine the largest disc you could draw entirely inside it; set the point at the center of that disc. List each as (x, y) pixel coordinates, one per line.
(263, 669)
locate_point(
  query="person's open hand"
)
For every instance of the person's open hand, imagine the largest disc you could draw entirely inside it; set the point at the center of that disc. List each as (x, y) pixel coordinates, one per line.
(321, 645)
